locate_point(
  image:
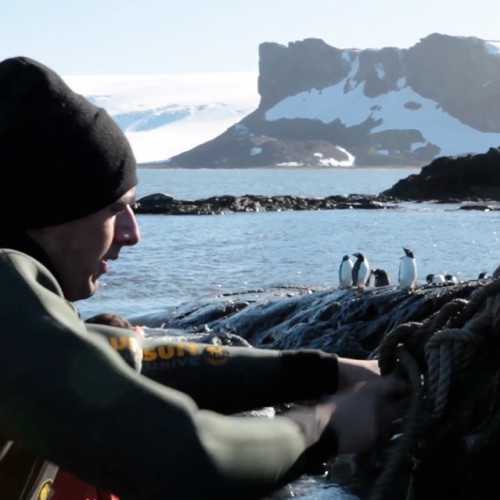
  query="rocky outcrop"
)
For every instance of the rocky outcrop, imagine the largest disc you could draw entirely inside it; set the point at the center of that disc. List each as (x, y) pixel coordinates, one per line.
(348, 322)
(160, 203)
(470, 177)
(323, 106)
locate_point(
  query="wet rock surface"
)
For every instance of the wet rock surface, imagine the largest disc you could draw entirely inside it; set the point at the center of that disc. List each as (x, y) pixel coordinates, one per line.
(351, 323)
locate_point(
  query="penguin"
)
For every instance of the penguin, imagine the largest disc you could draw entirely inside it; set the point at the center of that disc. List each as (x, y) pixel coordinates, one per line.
(360, 271)
(438, 279)
(381, 277)
(483, 275)
(450, 279)
(429, 278)
(407, 270)
(345, 272)
(371, 280)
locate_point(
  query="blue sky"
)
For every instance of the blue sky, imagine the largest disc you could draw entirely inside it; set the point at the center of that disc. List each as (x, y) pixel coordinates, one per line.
(93, 37)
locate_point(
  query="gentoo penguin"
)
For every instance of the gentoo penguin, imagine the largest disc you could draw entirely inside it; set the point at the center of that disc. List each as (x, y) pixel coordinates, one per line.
(381, 278)
(450, 279)
(345, 272)
(360, 271)
(437, 279)
(407, 270)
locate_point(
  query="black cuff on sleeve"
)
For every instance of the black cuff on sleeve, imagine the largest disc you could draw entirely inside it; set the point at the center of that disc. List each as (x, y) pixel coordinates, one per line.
(308, 373)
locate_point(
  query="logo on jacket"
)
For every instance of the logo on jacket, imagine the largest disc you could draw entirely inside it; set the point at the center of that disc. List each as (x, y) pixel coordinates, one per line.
(215, 355)
(46, 491)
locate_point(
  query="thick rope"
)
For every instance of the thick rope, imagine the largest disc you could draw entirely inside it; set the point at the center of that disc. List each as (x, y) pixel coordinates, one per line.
(445, 345)
(404, 443)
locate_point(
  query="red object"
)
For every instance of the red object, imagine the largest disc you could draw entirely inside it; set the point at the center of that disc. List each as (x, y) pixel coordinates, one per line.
(66, 486)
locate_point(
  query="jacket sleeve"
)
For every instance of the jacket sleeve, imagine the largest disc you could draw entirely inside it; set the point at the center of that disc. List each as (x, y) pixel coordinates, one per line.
(228, 379)
(67, 396)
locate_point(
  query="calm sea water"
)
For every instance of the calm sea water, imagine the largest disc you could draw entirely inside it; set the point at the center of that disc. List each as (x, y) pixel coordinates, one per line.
(185, 259)
(191, 258)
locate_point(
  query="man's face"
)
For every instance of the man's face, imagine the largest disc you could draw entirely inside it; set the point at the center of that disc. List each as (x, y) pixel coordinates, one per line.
(79, 250)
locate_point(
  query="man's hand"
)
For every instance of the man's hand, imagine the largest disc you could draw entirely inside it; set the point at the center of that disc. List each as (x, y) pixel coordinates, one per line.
(353, 371)
(364, 416)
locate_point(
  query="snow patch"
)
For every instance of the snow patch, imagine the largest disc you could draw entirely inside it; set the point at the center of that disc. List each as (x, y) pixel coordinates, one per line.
(492, 47)
(348, 103)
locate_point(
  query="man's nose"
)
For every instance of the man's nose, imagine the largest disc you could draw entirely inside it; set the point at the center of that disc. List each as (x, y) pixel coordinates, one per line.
(127, 230)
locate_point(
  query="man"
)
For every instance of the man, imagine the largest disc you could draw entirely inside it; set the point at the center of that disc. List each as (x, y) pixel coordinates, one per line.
(66, 394)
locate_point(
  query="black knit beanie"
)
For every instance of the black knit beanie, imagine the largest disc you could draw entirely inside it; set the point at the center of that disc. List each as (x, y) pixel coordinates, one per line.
(61, 157)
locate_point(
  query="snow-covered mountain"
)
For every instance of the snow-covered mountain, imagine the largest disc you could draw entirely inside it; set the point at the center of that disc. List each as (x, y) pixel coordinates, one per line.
(164, 115)
(325, 106)
(313, 104)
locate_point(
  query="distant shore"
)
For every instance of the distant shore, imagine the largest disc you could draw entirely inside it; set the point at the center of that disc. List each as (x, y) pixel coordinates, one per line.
(162, 166)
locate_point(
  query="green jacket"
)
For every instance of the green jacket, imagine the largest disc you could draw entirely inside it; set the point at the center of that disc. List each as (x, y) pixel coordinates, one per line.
(71, 393)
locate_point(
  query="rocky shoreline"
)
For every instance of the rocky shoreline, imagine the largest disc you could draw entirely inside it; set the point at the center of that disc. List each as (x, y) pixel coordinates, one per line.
(471, 181)
(349, 322)
(165, 204)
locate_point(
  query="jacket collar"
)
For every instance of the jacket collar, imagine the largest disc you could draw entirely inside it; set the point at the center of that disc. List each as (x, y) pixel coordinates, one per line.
(20, 241)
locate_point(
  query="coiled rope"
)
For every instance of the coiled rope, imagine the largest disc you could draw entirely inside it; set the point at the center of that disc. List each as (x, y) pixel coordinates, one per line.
(430, 355)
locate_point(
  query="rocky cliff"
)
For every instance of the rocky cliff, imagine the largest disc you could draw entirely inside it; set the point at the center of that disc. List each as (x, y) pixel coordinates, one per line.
(325, 106)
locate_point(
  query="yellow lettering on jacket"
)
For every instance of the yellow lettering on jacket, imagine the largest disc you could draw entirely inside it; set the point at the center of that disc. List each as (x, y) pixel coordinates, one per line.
(124, 342)
(169, 351)
(149, 355)
(191, 348)
(166, 352)
(119, 343)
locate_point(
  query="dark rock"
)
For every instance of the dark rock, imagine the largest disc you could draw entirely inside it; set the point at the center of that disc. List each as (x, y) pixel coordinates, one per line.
(165, 204)
(465, 178)
(481, 208)
(348, 322)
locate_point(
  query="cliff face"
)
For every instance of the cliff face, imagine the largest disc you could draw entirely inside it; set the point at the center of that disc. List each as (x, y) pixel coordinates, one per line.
(286, 71)
(460, 75)
(324, 106)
